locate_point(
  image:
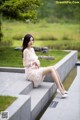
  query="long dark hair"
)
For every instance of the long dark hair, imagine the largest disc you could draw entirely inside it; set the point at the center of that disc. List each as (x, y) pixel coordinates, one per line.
(26, 40)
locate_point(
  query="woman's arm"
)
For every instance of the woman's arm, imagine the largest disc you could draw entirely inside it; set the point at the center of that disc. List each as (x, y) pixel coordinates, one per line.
(26, 60)
(36, 63)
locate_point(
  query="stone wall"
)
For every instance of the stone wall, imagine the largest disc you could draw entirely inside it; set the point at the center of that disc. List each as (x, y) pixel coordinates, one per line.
(64, 66)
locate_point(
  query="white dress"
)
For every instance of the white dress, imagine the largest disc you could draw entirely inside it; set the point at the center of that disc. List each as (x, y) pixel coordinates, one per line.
(32, 72)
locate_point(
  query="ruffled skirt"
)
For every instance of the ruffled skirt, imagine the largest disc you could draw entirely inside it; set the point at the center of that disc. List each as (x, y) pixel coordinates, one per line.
(35, 75)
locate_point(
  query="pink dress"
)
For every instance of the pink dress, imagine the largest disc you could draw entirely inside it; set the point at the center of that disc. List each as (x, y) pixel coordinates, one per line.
(32, 72)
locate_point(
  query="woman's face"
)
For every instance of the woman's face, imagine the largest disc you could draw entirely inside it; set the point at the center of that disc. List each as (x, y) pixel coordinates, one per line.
(30, 43)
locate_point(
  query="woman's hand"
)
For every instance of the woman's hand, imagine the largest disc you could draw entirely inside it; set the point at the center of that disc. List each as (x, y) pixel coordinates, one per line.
(36, 63)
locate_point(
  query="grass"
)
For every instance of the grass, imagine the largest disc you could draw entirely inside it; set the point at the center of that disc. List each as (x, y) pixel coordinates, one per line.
(12, 58)
(5, 101)
(57, 54)
(56, 35)
(16, 30)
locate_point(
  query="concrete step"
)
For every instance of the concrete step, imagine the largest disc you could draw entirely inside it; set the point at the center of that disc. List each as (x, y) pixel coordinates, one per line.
(12, 69)
(39, 97)
(20, 109)
(14, 83)
(20, 87)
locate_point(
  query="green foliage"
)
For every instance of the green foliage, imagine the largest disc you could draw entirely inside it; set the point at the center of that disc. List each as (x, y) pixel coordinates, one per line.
(67, 11)
(0, 31)
(56, 12)
(35, 9)
(20, 9)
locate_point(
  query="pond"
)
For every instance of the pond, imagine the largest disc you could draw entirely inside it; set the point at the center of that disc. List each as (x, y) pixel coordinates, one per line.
(69, 79)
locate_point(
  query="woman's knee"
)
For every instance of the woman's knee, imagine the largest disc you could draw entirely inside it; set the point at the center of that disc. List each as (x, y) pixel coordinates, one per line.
(51, 70)
(47, 70)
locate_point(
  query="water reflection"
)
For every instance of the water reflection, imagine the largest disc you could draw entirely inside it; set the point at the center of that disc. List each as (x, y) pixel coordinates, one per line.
(69, 79)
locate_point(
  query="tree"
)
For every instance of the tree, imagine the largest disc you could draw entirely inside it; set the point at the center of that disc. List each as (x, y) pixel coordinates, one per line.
(0, 32)
(51, 9)
(20, 9)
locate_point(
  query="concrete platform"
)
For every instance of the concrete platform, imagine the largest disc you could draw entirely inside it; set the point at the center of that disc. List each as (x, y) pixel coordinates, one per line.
(12, 82)
(66, 109)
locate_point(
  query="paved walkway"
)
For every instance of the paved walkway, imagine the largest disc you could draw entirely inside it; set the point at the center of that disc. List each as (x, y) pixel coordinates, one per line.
(66, 109)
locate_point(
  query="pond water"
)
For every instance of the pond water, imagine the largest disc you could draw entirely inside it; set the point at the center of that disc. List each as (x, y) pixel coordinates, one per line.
(69, 79)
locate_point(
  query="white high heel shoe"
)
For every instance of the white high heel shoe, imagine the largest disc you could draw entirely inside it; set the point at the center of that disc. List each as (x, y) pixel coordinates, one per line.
(65, 92)
(65, 95)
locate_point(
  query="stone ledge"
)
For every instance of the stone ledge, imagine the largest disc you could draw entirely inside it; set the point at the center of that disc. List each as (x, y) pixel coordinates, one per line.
(12, 69)
(28, 106)
(65, 65)
(40, 97)
(78, 63)
(14, 83)
(20, 108)
(47, 57)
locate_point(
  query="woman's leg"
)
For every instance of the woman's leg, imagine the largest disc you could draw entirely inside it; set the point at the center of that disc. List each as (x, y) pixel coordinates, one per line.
(60, 81)
(55, 77)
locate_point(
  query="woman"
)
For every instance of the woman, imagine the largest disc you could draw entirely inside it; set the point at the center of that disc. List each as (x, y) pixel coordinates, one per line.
(33, 71)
